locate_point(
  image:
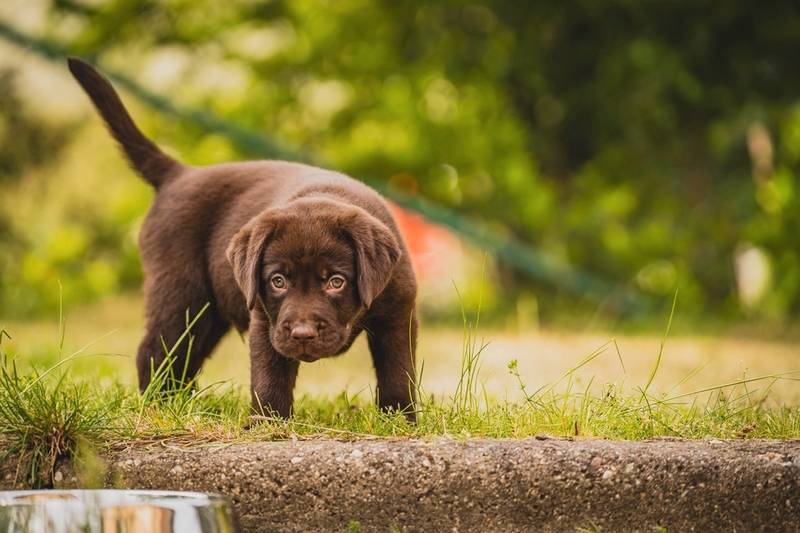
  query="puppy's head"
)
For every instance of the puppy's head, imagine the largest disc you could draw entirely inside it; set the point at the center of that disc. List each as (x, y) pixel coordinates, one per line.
(315, 265)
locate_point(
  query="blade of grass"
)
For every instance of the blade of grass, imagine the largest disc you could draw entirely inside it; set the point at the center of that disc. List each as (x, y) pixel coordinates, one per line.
(657, 363)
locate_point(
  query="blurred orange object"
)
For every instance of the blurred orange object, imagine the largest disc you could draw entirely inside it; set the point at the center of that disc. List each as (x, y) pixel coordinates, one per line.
(435, 251)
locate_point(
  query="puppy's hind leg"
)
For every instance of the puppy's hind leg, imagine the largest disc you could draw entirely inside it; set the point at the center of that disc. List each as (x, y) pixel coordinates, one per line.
(169, 313)
(393, 343)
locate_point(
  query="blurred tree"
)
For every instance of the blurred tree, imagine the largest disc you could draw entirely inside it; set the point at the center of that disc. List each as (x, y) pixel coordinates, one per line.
(611, 133)
(25, 140)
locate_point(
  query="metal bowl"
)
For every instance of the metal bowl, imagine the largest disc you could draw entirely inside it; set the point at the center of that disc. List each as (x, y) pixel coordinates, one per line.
(115, 511)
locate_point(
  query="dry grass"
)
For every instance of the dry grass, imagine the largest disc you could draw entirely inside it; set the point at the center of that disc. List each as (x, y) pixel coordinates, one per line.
(115, 326)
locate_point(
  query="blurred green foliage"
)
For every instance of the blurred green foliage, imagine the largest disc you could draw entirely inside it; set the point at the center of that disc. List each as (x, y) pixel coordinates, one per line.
(647, 142)
(58, 240)
(25, 140)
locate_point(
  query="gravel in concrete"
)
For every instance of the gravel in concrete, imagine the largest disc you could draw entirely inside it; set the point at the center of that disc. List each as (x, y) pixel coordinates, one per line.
(492, 485)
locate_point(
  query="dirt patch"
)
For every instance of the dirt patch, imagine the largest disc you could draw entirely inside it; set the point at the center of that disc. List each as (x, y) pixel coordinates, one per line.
(437, 485)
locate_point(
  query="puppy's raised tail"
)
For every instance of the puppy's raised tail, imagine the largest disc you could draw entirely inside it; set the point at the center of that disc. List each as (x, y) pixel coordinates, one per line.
(146, 158)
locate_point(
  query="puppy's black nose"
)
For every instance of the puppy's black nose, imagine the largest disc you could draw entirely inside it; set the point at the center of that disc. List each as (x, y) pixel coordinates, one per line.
(304, 332)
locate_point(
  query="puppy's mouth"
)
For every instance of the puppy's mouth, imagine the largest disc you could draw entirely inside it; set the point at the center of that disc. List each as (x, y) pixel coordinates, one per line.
(302, 355)
(308, 358)
(307, 352)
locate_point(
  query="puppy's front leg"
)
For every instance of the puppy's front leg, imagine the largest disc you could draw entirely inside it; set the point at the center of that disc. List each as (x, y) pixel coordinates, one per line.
(393, 343)
(272, 376)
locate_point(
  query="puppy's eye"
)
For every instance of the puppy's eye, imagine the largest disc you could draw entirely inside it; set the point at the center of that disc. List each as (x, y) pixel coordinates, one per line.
(278, 281)
(336, 283)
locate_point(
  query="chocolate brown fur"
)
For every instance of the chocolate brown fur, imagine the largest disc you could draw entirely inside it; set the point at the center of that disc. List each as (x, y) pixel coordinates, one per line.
(223, 235)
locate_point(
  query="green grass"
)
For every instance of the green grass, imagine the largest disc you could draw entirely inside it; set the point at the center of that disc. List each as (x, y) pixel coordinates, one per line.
(47, 414)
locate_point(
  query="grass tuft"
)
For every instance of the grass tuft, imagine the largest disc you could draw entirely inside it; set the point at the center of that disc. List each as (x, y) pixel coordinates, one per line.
(44, 420)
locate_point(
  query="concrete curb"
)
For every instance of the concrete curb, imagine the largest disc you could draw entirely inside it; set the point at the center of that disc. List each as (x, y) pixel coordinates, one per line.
(448, 485)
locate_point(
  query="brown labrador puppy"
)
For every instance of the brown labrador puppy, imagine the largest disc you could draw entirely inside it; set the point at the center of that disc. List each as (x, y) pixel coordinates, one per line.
(303, 258)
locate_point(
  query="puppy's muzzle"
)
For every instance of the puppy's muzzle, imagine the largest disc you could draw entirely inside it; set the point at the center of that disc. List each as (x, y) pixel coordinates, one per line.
(306, 340)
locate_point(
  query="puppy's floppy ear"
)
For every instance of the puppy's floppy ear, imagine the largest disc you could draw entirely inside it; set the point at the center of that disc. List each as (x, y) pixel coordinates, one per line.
(377, 253)
(245, 253)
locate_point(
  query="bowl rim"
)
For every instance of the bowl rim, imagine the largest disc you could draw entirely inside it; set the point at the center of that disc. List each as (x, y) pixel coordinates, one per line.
(17, 498)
